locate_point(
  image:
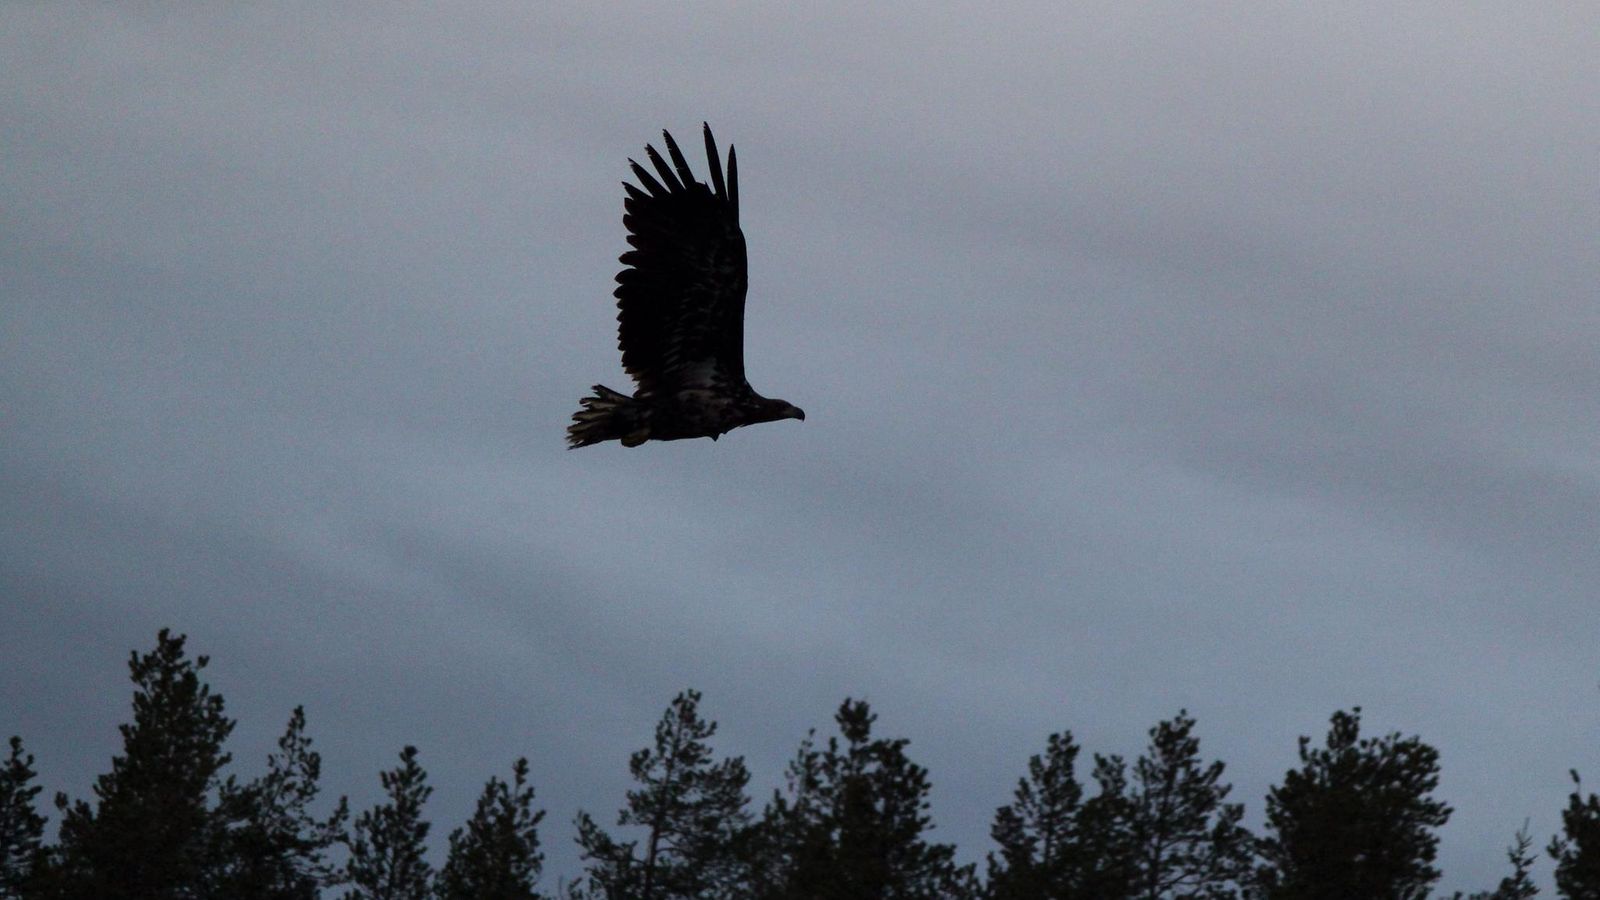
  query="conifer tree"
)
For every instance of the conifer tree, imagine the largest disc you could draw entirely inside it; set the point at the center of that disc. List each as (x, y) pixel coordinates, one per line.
(276, 849)
(1109, 865)
(21, 826)
(854, 823)
(1357, 819)
(496, 856)
(1577, 849)
(388, 858)
(153, 832)
(1038, 832)
(1056, 845)
(1186, 841)
(692, 812)
(1519, 884)
(1166, 832)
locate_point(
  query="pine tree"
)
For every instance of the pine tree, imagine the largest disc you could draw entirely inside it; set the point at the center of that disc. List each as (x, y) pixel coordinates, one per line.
(1164, 833)
(21, 826)
(853, 823)
(1577, 849)
(1186, 841)
(276, 848)
(1357, 819)
(1519, 884)
(387, 855)
(1054, 845)
(153, 832)
(693, 812)
(1108, 861)
(496, 856)
(1038, 832)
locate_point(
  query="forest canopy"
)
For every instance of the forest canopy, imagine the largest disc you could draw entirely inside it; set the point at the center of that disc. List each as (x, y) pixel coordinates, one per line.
(1357, 816)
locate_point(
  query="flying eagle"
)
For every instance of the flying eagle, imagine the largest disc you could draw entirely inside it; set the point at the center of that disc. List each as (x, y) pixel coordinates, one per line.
(681, 319)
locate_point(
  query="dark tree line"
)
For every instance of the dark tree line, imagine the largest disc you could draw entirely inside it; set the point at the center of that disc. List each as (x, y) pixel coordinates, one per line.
(1357, 818)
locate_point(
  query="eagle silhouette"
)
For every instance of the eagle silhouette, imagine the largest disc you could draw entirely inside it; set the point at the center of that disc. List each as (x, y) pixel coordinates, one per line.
(681, 312)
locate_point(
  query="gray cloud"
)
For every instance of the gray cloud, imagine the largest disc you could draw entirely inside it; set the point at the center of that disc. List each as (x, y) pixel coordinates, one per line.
(1236, 359)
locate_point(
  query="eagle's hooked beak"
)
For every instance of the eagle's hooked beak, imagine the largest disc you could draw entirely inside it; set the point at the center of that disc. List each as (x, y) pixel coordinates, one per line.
(796, 412)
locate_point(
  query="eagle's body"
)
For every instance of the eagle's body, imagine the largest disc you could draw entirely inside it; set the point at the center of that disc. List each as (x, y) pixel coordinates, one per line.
(681, 312)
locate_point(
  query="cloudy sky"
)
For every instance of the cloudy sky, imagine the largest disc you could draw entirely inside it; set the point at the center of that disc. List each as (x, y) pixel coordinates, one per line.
(1238, 358)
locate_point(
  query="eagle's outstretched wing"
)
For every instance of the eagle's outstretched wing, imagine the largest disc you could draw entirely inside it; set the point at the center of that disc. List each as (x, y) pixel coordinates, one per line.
(681, 295)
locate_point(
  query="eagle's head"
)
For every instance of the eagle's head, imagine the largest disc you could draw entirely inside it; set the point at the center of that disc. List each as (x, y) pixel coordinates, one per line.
(773, 410)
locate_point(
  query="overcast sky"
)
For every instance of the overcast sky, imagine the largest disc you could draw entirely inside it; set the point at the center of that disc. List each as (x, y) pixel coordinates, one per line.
(1236, 358)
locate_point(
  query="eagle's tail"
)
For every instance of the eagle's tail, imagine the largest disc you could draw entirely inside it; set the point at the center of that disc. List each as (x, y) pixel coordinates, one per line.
(608, 416)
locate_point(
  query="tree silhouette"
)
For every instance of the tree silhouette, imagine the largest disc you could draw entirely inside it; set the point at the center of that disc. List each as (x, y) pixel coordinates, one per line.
(153, 832)
(276, 848)
(853, 823)
(1109, 865)
(1355, 820)
(1164, 833)
(1519, 884)
(1187, 842)
(1040, 849)
(387, 856)
(1577, 849)
(496, 856)
(692, 810)
(21, 826)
